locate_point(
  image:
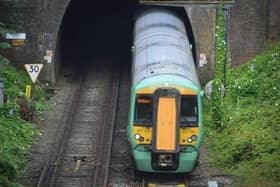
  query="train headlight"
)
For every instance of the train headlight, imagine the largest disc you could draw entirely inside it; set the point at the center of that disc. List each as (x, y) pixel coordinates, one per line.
(141, 139)
(137, 136)
(191, 139)
(194, 137)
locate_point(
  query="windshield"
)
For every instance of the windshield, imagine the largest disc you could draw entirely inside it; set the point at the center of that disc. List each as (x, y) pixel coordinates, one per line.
(189, 113)
(144, 110)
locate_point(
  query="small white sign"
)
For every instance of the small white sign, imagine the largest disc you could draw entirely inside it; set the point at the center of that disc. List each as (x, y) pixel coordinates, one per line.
(202, 59)
(33, 70)
(48, 59)
(49, 56)
(16, 36)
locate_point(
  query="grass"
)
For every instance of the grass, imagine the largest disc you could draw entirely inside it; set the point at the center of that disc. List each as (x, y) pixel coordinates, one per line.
(247, 143)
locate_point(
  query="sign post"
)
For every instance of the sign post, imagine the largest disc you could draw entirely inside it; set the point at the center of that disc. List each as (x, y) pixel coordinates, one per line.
(28, 91)
(33, 71)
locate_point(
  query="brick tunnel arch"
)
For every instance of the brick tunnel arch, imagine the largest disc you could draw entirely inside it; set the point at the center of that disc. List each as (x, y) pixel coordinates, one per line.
(52, 23)
(52, 27)
(50, 16)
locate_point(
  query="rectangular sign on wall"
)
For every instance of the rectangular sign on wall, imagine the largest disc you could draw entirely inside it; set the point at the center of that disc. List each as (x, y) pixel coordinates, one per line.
(17, 43)
(182, 2)
(16, 36)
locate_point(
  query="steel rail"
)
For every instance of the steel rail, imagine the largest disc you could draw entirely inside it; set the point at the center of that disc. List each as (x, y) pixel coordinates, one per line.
(67, 130)
(111, 122)
(48, 171)
(182, 182)
(49, 174)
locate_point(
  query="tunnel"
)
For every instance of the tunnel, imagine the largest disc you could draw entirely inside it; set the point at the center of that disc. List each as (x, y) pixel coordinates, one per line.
(93, 31)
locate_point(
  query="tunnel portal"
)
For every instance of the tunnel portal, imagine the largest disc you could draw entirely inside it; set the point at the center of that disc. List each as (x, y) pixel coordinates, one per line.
(90, 32)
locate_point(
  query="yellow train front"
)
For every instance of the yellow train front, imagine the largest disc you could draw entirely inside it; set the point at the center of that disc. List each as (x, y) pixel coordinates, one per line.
(165, 121)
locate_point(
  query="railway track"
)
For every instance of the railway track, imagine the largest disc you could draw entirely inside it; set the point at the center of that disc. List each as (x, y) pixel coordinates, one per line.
(82, 156)
(120, 173)
(93, 150)
(120, 165)
(106, 137)
(164, 180)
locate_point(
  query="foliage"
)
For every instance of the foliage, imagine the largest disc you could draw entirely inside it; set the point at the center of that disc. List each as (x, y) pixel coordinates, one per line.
(15, 81)
(3, 30)
(248, 145)
(4, 45)
(15, 139)
(221, 61)
(15, 133)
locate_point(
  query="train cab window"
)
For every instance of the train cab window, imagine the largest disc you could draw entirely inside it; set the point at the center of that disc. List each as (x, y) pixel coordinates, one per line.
(144, 110)
(189, 111)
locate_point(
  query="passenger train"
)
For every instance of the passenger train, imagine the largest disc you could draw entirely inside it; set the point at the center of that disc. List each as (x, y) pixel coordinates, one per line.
(165, 121)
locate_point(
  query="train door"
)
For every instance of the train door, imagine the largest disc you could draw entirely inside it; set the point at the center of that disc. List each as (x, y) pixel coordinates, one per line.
(165, 145)
(166, 124)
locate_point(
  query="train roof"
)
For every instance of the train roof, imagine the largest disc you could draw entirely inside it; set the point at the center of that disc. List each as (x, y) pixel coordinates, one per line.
(167, 81)
(161, 47)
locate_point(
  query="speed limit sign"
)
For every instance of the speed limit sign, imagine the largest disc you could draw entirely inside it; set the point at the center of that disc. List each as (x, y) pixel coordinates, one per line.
(33, 70)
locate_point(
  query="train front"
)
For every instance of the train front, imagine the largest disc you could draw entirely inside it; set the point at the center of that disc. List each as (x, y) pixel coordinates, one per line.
(165, 124)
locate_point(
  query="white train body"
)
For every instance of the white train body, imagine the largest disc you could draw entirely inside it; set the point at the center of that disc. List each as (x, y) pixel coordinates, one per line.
(161, 47)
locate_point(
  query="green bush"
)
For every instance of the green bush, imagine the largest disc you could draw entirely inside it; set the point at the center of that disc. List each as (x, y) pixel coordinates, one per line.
(221, 62)
(16, 134)
(14, 80)
(4, 28)
(249, 141)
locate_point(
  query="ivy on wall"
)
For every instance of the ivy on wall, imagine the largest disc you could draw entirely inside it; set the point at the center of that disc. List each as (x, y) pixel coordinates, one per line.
(242, 127)
(221, 61)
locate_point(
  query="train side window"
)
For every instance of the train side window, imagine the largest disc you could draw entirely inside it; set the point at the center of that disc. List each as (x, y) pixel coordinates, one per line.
(143, 110)
(189, 111)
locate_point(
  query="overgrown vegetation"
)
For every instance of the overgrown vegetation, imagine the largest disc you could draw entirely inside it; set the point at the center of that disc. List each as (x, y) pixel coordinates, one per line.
(15, 133)
(3, 30)
(219, 82)
(247, 143)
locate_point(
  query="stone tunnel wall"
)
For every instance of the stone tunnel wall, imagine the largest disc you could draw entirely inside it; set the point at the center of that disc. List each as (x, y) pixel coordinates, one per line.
(50, 16)
(40, 20)
(21, 15)
(203, 21)
(252, 23)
